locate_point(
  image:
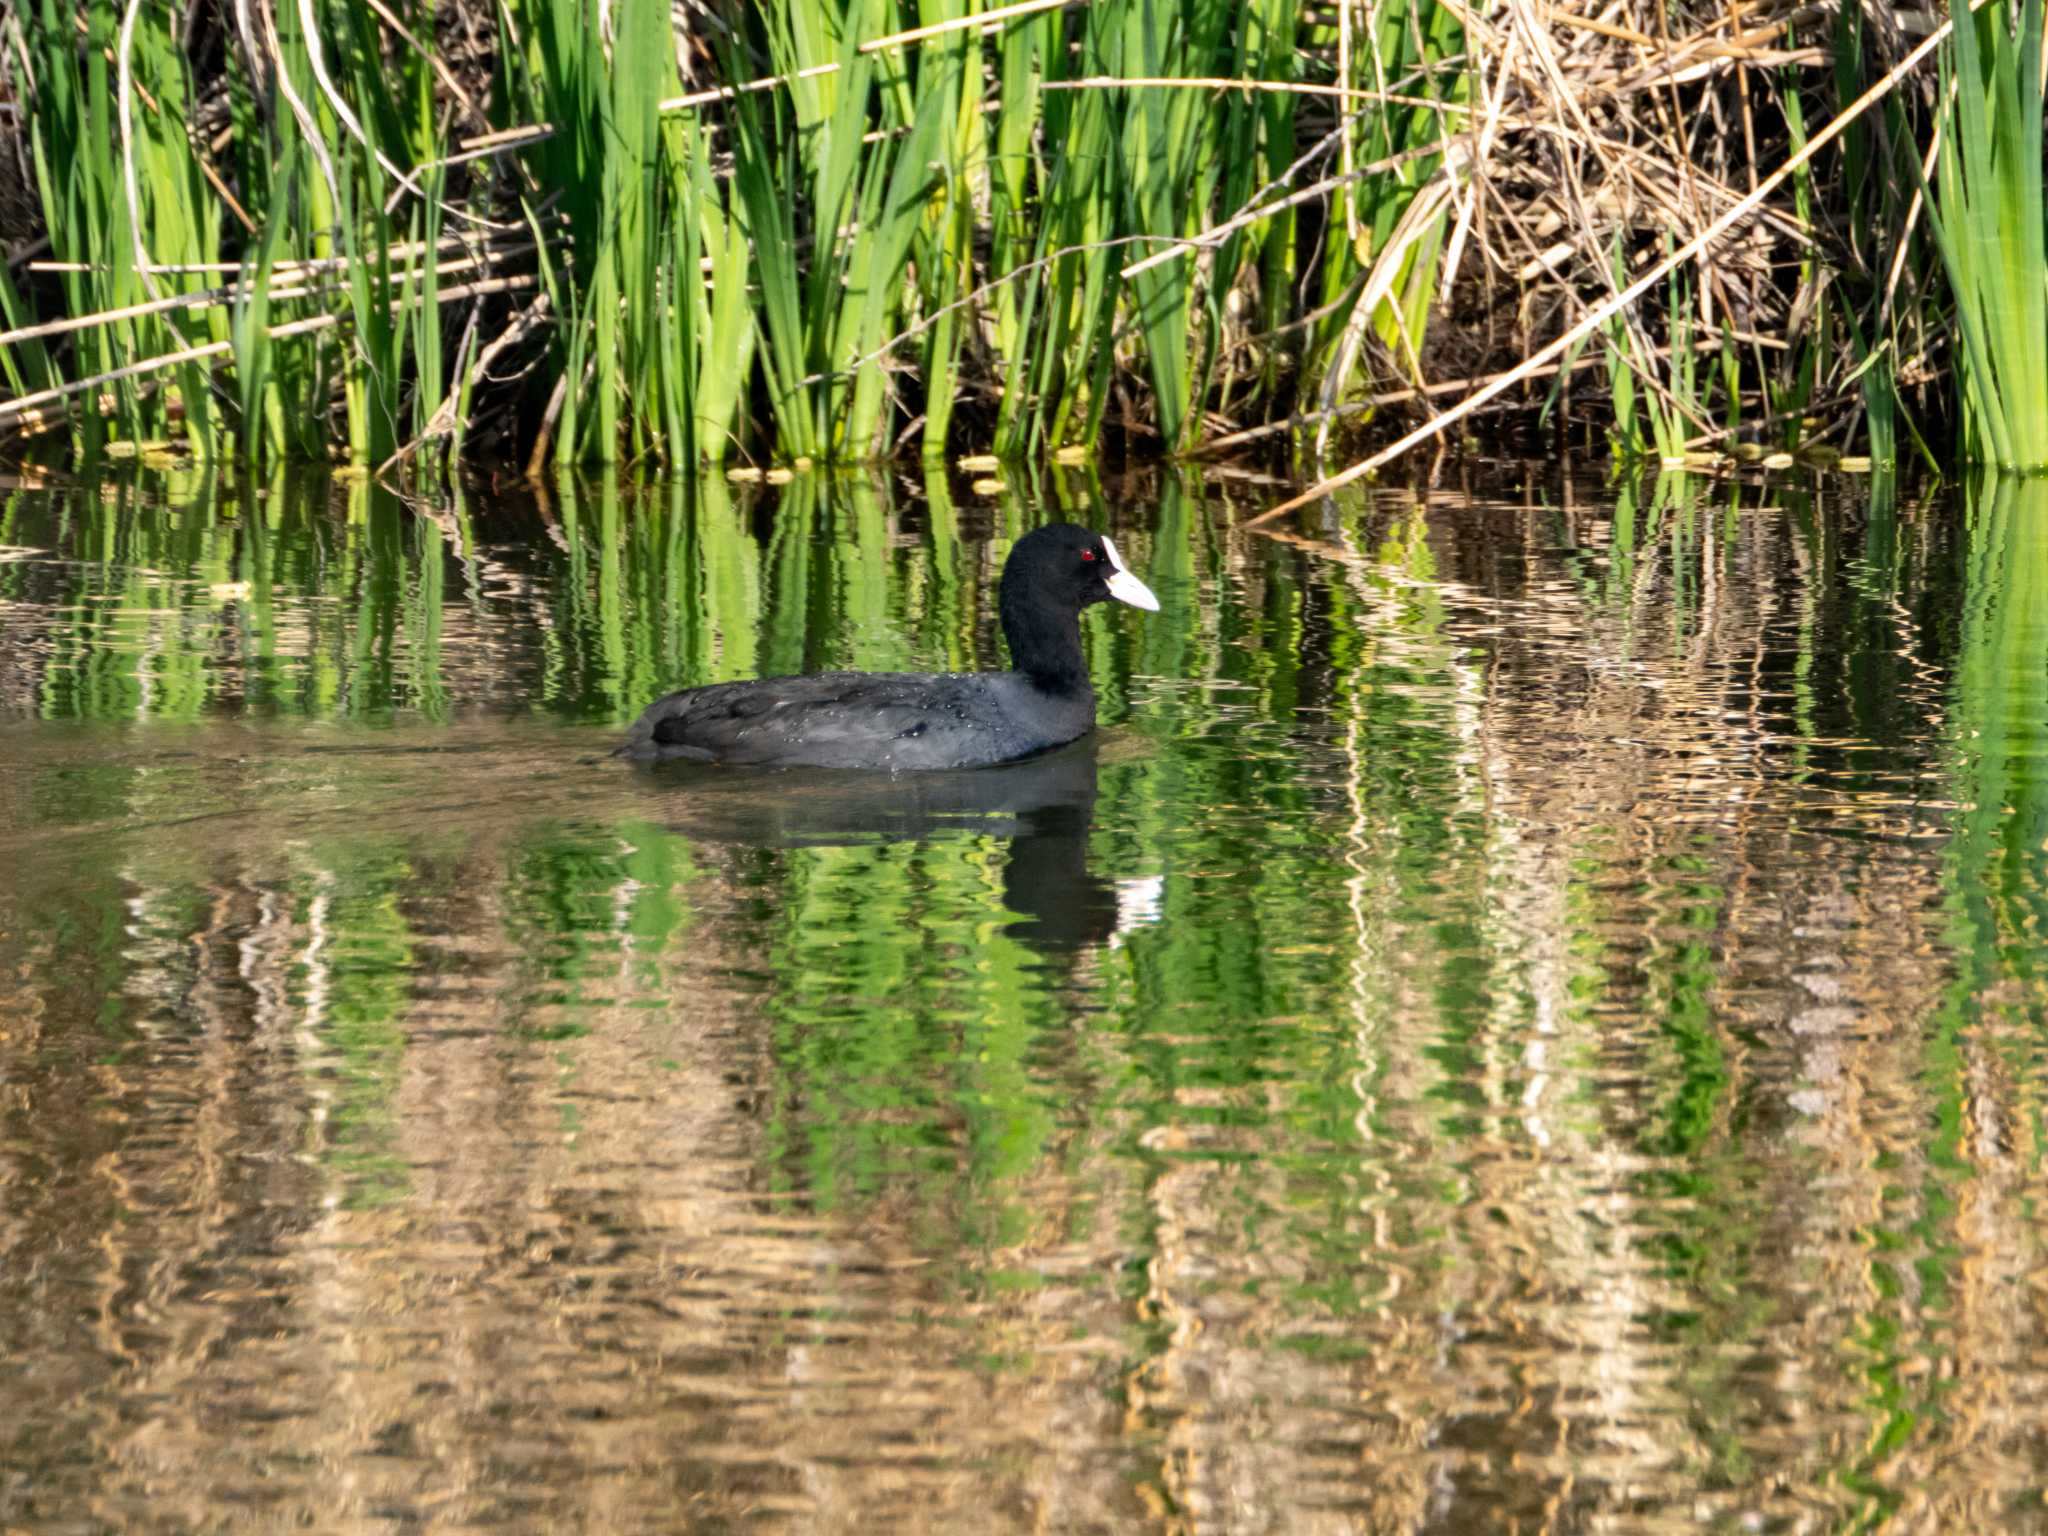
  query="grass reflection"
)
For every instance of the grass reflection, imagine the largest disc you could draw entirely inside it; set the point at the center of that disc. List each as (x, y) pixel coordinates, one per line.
(2000, 855)
(355, 984)
(1542, 992)
(291, 598)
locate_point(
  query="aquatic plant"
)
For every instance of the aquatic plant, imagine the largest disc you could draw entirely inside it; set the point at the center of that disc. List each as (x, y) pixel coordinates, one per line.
(1987, 217)
(825, 230)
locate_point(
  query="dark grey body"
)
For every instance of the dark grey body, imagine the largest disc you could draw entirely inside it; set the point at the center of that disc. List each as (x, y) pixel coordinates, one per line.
(899, 721)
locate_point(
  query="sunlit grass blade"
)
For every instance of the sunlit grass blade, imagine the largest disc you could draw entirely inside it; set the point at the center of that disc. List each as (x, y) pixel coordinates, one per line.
(1987, 217)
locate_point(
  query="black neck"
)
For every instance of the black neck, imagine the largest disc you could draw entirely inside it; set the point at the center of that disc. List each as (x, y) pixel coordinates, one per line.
(1045, 643)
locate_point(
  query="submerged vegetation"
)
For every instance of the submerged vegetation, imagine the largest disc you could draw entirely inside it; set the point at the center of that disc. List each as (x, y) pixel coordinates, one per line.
(832, 230)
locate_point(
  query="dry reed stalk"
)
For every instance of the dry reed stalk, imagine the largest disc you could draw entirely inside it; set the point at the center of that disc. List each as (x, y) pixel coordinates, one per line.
(293, 286)
(445, 418)
(433, 60)
(25, 409)
(403, 250)
(1618, 302)
(309, 127)
(1218, 233)
(1412, 395)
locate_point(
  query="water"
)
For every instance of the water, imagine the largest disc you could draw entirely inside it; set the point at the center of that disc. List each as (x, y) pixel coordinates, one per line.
(1530, 1015)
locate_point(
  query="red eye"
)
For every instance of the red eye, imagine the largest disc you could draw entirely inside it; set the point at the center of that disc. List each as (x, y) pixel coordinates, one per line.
(1087, 554)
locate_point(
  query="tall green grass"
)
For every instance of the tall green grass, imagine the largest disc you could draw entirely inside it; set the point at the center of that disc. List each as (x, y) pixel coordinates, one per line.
(830, 230)
(1987, 217)
(921, 242)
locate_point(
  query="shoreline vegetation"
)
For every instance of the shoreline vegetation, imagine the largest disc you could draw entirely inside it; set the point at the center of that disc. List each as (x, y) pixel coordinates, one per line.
(801, 232)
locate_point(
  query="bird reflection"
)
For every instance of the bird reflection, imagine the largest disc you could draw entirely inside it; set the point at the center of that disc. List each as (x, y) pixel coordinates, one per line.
(1044, 806)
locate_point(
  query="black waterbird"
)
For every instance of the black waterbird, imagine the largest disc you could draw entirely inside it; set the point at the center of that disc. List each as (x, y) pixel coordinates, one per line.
(919, 720)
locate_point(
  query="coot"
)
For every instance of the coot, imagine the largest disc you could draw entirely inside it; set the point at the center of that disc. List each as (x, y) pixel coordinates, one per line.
(919, 720)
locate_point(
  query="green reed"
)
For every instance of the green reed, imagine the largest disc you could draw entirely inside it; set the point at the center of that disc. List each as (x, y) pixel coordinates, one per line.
(1068, 229)
(923, 241)
(1987, 215)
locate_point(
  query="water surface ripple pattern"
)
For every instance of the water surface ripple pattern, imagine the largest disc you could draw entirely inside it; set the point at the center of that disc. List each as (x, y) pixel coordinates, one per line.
(1529, 1014)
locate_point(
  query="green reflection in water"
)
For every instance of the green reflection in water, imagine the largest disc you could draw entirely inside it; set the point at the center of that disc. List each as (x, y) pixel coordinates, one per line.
(1478, 866)
(1996, 874)
(192, 598)
(900, 1010)
(2000, 856)
(584, 899)
(356, 980)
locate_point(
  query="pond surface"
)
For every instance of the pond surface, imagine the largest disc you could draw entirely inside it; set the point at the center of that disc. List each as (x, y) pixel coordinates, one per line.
(1530, 1015)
